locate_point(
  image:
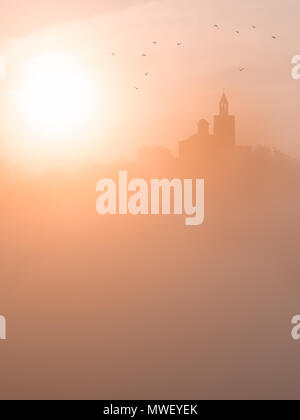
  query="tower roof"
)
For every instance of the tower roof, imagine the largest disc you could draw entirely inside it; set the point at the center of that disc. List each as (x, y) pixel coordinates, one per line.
(224, 100)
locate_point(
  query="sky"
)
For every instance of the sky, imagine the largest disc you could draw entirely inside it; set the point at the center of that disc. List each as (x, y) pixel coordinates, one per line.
(20, 18)
(184, 83)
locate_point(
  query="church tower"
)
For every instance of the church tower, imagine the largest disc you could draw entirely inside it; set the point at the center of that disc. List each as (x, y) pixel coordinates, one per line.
(224, 125)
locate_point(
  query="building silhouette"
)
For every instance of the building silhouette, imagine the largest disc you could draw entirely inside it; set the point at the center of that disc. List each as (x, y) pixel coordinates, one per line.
(209, 152)
(203, 143)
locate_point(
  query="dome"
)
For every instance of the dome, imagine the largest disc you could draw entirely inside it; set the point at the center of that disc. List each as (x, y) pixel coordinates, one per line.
(203, 123)
(203, 128)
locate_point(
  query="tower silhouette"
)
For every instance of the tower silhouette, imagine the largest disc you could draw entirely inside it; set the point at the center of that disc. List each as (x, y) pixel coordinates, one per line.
(224, 125)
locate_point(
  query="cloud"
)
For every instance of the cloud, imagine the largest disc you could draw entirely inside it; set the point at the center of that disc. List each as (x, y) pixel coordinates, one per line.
(19, 18)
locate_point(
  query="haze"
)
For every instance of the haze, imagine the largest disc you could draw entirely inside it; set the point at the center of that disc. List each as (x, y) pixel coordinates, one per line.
(184, 83)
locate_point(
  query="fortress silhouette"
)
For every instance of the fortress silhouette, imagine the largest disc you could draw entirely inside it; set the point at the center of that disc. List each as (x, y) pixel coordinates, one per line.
(203, 142)
(204, 148)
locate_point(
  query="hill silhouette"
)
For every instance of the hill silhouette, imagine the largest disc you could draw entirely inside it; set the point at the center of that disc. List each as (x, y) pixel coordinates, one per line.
(129, 307)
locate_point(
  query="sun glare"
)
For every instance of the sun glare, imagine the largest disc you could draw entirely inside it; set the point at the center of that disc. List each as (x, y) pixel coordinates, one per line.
(56, 96)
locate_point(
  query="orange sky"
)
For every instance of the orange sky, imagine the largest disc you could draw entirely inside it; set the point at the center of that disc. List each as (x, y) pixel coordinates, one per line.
(184, 83)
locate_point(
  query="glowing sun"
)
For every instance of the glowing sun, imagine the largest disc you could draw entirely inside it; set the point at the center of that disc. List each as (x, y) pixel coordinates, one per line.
(56, 95)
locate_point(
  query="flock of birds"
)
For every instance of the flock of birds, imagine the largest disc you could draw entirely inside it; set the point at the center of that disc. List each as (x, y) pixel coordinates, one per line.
(180, 44)
(238, 33)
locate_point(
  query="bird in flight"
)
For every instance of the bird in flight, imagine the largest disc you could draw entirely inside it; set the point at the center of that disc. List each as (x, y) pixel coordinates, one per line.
(147, 74)
(113, 54)
(274, 37)
(179, 44)
(144, 55)
(136, 88)
(242, 69)
(254, 27)
(217, 26)
(237, 32)
(154, 42)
